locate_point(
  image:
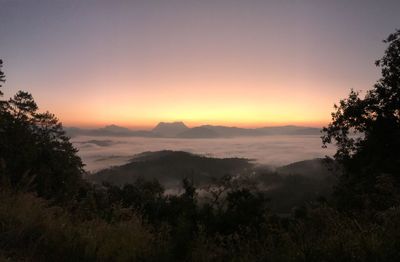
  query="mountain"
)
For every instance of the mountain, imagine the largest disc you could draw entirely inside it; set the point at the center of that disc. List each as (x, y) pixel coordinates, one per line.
(74, 131)
(170, 167)
(199, 132)
(289, 130)
(318, 167)
(110, 130)
(114, 129)
(164, 129)
(224, 131)
(287, 187)
(180, 130)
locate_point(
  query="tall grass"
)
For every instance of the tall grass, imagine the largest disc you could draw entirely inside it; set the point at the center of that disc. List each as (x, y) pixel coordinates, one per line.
(30, 229)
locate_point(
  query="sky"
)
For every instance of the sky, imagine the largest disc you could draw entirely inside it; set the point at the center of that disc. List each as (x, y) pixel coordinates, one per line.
(241, 63)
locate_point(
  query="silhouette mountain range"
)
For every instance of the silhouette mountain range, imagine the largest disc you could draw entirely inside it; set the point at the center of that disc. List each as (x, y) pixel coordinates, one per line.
(180, 130)
(170, 129)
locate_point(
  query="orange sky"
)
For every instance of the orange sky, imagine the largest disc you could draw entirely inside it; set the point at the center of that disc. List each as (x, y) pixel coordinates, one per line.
(244, 103)
(238, 63)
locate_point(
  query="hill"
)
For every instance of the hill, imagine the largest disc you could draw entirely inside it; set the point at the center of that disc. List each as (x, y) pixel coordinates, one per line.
(170, 167)
(317, 167)
(287, 186)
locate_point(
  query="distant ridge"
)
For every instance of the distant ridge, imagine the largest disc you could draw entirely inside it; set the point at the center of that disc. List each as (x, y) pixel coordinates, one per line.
(316, 167)
(116, 129)
(169, 129)
(199, 132)
(180, 130)
(110, 130)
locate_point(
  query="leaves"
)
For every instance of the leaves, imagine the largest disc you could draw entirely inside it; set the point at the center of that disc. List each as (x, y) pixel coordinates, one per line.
(366, 129)
(34, 148)
(2, 76)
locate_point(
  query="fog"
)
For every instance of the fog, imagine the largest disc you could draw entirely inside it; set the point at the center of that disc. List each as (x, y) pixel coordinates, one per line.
(102, 152)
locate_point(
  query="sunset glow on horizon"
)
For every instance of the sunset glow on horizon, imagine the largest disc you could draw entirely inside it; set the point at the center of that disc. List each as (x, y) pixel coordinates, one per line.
(136, 63)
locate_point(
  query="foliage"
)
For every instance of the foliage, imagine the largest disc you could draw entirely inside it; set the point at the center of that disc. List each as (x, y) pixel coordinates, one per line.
(32, 230)
(367, 133)
(35, 153)
(2, 76)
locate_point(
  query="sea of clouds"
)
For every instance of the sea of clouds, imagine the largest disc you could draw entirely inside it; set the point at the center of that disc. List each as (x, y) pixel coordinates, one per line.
(102, 152)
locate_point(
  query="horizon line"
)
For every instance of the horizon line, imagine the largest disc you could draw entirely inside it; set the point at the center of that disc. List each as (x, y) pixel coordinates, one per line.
(232, 125)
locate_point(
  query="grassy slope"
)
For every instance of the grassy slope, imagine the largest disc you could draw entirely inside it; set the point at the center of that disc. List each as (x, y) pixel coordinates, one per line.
(31, 230)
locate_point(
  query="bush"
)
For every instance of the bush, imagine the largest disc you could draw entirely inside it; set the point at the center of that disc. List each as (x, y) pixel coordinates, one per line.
(31, 229)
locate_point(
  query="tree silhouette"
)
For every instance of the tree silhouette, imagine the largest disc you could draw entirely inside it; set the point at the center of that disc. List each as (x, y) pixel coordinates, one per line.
(35, 153)
(367, 134)
(2, 76)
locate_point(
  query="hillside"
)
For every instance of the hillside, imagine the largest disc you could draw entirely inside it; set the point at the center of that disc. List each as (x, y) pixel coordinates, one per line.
(318, 167)
(170, 167)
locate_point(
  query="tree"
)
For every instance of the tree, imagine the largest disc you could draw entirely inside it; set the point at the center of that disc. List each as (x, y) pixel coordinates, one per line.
(35, 153)
(367, 134)
(2, 76)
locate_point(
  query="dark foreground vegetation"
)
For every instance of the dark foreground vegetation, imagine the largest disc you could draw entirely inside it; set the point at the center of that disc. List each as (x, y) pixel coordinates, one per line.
(48, 212)
(289, 186)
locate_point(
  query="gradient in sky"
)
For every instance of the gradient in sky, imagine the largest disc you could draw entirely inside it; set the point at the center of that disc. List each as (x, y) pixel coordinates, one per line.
(243, 63)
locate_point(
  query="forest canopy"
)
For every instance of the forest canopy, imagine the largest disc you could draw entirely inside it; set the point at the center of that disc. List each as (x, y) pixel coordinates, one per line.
(367, 134)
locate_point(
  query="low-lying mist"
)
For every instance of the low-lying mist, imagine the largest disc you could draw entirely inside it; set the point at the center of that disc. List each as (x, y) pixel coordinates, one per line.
(100, 152)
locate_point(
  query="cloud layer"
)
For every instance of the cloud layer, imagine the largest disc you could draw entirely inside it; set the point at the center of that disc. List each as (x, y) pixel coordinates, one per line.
(102, 152)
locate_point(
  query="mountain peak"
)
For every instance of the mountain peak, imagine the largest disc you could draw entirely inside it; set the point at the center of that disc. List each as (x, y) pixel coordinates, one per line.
(170, 129)
(114, 129)
(175, 123)
(113, 126)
